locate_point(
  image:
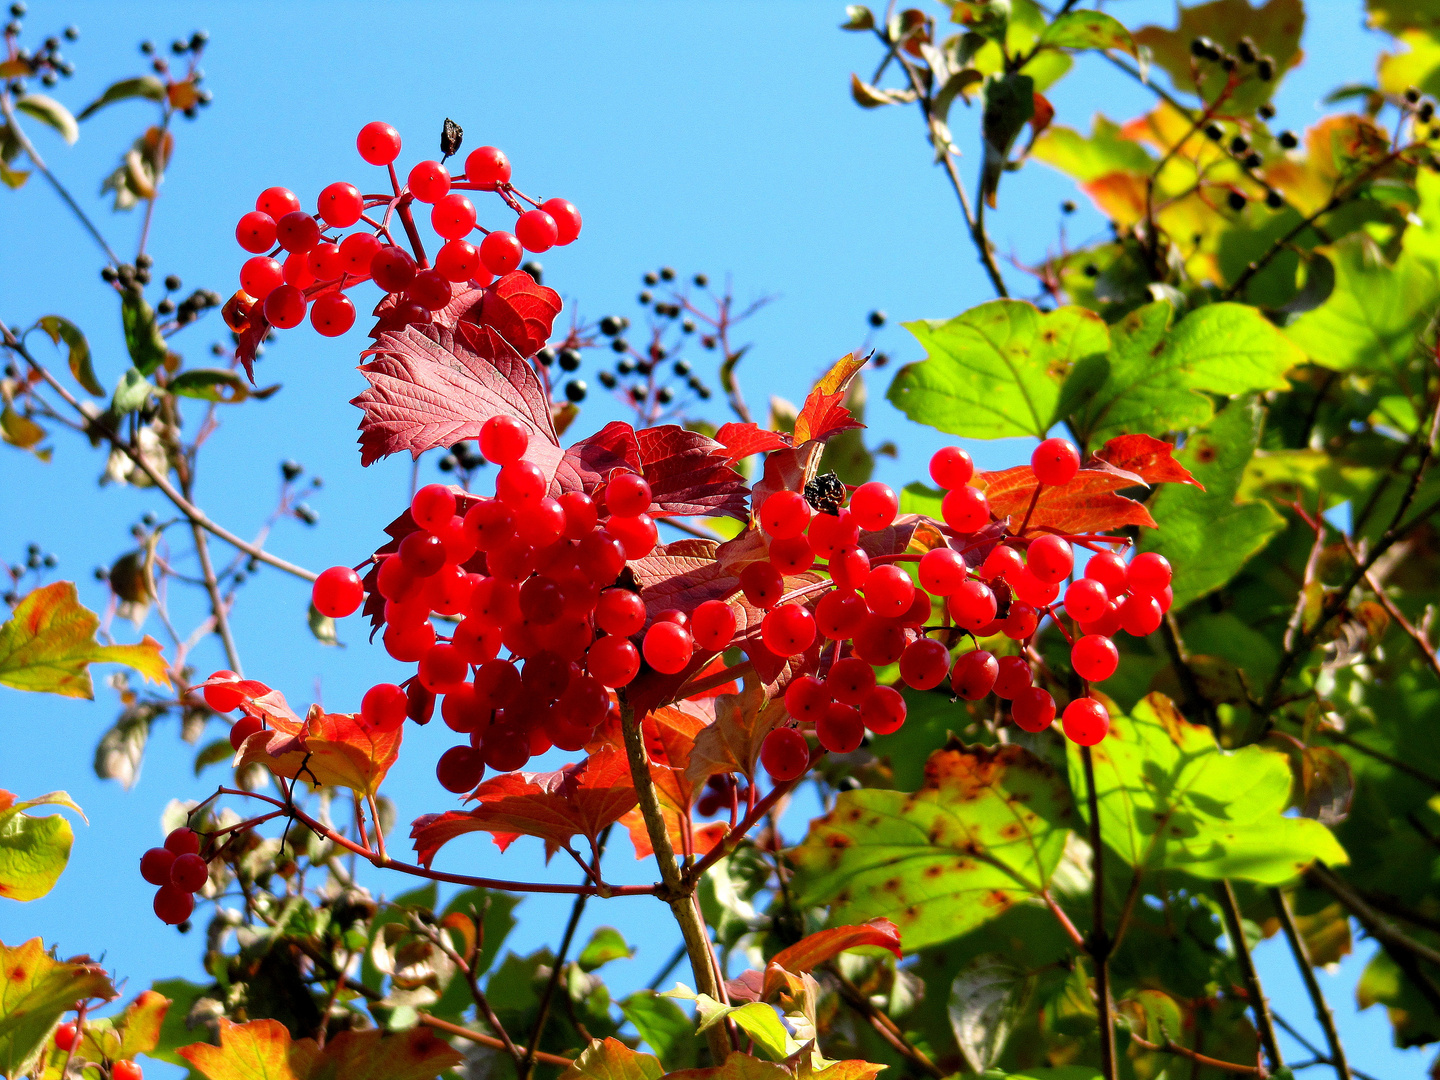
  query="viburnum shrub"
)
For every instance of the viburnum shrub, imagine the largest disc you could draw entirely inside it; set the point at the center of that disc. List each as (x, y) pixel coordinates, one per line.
(1078, 727)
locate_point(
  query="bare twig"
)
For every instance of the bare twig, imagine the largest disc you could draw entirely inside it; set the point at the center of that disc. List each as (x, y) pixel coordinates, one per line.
(1170, 1046)
(527, 1066)
(1099, 944)
(883, 1025)
(1312, 985)
(1258, 1004)
(1398, 616)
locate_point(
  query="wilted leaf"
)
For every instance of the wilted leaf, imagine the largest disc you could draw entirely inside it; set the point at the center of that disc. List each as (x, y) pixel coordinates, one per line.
(872, 97)
(33, 850)
(34, 994)
(19, 430)
(61, 329)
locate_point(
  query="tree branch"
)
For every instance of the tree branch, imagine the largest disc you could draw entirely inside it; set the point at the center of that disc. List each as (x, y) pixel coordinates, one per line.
(1312, 985)
(1099, 945)
(1258, 1005)
(1170, 1046)
(527, 1066)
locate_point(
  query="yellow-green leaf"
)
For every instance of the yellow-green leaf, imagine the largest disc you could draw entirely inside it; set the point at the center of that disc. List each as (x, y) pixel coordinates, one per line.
(51, 113)
(18, 429)
(145, 86)
(33, 850)
(62, 329)
(610, 1059)
(134, 1031)
(35, 992)
(263, 1050)
(49, 643)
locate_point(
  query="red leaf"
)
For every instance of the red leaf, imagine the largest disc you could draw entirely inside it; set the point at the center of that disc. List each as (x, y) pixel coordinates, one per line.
(580, 798)
(742, 440)
(430, 387)
(520, 310)
(1147, 457)
(250, 339)
(823, 414)
(588, 462)
(689, 473)
(1088, 503)
(447, 316)
(810, 952)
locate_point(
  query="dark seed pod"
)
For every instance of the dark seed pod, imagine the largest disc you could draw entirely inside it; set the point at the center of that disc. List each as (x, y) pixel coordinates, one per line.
(451, 136)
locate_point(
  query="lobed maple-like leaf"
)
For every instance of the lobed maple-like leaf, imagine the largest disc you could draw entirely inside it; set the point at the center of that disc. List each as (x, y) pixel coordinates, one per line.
(580, 798)
(824, 413)
(35, 991)
(1149, 458)
(264, 1050)
(689, 473)
(742, 440)
(386, 317)
(49, 643)
(1087, 503)
(810, 952)
(732, 743)
(519, 309)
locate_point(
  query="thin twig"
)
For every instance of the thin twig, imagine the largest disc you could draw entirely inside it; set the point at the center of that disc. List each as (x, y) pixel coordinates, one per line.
(1398, 616)
(1099, 945)
(1258, 1004)
(527, 1067)
(1312, 985)
(1170, 1046)
(217, 602)
(883, 1025)
(488, 1040)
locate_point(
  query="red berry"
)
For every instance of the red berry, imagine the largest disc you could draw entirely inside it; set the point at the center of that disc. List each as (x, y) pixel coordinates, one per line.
(1033, 710)
(457, 260)
(951, 467)
(792, 556)
(1086, 721)
(332, 314)
(487, 165)
(521, 484)
(429, 181)
(762, 584)
(924, 664)
(919, 611)
(340, 204)
(883, 710)
(840, 730)
(1165, 597)
(460, 769)
(1109, 569)
(1086, 600)
(785, 754)
(581, 514)
(442, 667)
(260, 275)
(972, 605)
(430, 289)
(713, 625)
(638, 534)
(285, 307)
(874, 505)
(408, 643)
(297, 231)
(849, 680)
(1055, 462)
(831, 533)
(1021, 622)
(432, 506)
(965, 509)
(1027, 587)
(277, 202)
(788, 630)
(503, 440)
(255, 232)
(849, 567)
(838, 616)
(541, 601)
(172, 905)
(324, 262)
(1003, 561)
(1050, 559)
(378, 143)
(497, 684)
(1012, 677)
(356, 253)
(888, 591)
(1149, 574)
(189, 872)
(501, 252)
(879, 641)
(601, 557)
(422, 553)
(337, 592)
(222, 698)
(66, 1036)
(1107, 624)
(394, 581)
(126, 1070)
(453, 216)
(567, 219)
(783, 515)
(296, 270)
(627, 494)
(459, 709)
(620, 611)
(1140, 615)
(383, 707)
(942, 571)
(1094, 658)
(392, 268)
(974, 675)
(155, 865)
(613, 661)
(475, 640)
(668, 647)
(807, 698)
(536, 230)
(243, 728)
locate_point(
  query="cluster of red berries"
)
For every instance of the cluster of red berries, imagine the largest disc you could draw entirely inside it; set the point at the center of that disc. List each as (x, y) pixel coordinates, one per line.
(319, 264)
(67, 1038)
(179, 871)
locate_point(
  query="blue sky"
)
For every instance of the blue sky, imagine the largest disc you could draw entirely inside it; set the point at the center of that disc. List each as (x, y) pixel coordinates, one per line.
(718, 138)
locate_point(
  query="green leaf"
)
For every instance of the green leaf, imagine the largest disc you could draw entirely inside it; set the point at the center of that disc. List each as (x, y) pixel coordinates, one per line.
(212, 754)
(1088, 30)
(858, 17)
(35, 992)
(209, 384)
(758, 1020)
(1088, 157)
(664, 1027)
(987, 1000)
(605, 945)
(14, 179)
(322, 627)
(986, 830)
(62, 329)
(51, 113)
(131, 393)
(33, 850)
(1376, 316)
(145, 86)
(1171, 799)
(996, 370)
(1208, 535)
(1158, 381)
(142, 334)
(49, 643)
(175, 1031)
(1009, 105)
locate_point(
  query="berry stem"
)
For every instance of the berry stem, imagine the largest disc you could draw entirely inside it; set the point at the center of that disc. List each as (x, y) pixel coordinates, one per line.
(709, 682)
(408, 221)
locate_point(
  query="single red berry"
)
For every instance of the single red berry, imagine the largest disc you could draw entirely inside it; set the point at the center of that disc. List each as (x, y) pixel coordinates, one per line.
(457, 260)
(189, 872)
(260, 275)
(453, 216)
(613, 661)
(357, 251)
(585, 703)
(505, 748)
(567, 219)
(297, 231)
(172, 905)
(637, 534)
(620, 611)
(429, 181)
(1055, 462)
(627, 494)
(447, 591)
(487, 165)
(285, 307)
(422, 553)
(223, 698)
(442, 667)
(951, 467)
(1021, 622)
(277, 202)
(1140, 615)
(1086, 721)
(849, 567)
(1086, 600)
(840, 730)
(1094, 658)
(792, 556)
(1033, 710)
(392, 268)
(419, 702)
(1027, 587)
(1050, 559)
(888, 591)
(783, 515)
(378, 143)
(394, 581)
(1107, 624)
(713, 625)
(883, 710)
(1149, 574)
(838, 615)
(1165, 598)
(849, 680)
(788, 630)
(1109, 570)
(501, 252)
(879, 641)
(409, 642)
(601, 557)
(920, 610)
(541, 601)
(965, 509)
(668, 647)
(807, 698)
(255, 232)
(972, 605)
(296, 270)
(324, 262)
(830, 533)
(340, 204)
(432, 506)
(942, 571)
(924, 664)
(521, 484)
(974, 675)
(874, 505)
(581, 514)
(497, 684)
(1012, 677)
(785, 754)
(503, 440)
(430, 289)
(1003, 561)
(762, 584)
(542, 524)
(383, 707)
(536, 230)
(126, 1070)
(66, 1036)
(460, 769)
(155, 865)
(475, 640)
(337, 592)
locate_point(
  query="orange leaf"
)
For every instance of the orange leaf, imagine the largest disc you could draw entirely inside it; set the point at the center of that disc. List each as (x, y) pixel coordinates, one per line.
(1088, 503)
(263, 1050)
(742, 440)
(810, 952)
(732, 743)
(823, 414)
(1147, 457)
